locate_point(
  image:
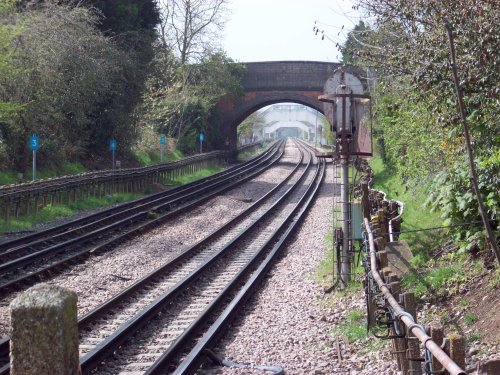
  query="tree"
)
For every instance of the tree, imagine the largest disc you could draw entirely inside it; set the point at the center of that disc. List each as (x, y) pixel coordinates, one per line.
(191, 27)
(409, 44)
(354, 44)
(71, 87)
(8, 33)
(251, 125)
(180, 99)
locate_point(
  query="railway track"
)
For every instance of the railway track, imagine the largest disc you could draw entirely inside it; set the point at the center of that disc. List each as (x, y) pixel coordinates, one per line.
(30, 257)
(185, 293)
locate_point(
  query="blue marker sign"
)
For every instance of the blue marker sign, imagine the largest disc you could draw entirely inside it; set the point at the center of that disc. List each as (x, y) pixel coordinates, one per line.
(202, 137)
(34, 142)
(163, 139)
(112, 144)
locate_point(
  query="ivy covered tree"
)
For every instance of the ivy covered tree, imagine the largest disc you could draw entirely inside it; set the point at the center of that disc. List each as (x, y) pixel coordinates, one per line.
(8, 33)
(180, 99)
(71, 86)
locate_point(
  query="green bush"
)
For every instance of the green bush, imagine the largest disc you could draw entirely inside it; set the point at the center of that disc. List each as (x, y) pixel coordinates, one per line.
(453, 195)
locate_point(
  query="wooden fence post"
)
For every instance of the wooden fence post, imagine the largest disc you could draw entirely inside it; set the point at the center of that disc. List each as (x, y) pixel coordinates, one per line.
(457, 349)
(413, 351)
(437, 336)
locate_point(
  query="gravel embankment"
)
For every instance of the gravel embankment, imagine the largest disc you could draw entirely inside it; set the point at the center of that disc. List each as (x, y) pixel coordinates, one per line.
(290, 322)
(102, 276)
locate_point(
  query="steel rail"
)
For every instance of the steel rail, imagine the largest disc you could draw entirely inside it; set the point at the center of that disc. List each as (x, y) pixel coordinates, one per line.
(138, 228)
(111, 303)
(106, 306)
(196, 356)
(103, 350)
(405, 317)
(31, 238)
(114, 213)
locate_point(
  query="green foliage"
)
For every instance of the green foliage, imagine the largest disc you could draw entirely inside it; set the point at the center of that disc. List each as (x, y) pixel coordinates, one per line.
(127, 16)
(49, 213)
(71, 72)
(8, 70)
(419, 129)
(64, 80)
(354, 326)
(408, 135)
(66, 168)
(326, 131)
(416, 214)
(194, 176)
(452, 194)
(7, 177)
(253, 124)
(442, 281)
(353, 45)
(153, 157)
(180, 99)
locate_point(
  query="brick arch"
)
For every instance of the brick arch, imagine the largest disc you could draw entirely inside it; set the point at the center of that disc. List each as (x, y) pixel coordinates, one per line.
(267, 83)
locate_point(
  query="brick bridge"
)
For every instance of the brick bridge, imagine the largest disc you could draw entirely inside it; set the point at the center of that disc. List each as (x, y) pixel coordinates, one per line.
(273, 82)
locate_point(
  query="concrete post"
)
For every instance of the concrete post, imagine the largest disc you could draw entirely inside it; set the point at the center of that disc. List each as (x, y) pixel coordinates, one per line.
(44, 332)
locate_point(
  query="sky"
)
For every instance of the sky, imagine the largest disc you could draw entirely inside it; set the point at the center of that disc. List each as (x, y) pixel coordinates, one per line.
(275, 30)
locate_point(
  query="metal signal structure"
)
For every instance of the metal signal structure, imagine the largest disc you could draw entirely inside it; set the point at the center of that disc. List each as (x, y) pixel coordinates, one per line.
(348, 110)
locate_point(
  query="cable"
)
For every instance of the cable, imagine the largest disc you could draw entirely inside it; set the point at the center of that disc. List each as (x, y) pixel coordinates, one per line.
(442, 227)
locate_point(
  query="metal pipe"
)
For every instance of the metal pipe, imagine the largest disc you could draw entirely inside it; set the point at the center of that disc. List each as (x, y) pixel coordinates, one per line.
(344, 192)
(401, 208)
(405, 317)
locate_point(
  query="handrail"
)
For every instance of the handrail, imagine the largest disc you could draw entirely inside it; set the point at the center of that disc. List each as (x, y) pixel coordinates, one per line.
(405, 317)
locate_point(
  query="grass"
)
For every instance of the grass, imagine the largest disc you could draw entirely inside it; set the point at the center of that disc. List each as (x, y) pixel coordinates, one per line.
(416, 216)
(66, 168)
(248, 154)
(153, 157)
(353, 328)
(195, 176)
(8, 177)
(440, 281)
(325, 270)
(474, 336)
(470, 319)
(49, 213)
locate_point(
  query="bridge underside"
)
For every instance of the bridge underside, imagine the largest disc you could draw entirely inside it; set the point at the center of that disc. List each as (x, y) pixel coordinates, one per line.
(234, 112)
(272, 82)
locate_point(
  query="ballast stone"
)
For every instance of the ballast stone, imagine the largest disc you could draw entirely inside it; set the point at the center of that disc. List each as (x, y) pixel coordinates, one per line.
(44, 332)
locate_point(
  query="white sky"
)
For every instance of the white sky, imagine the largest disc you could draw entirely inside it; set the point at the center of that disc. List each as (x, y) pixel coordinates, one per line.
(273, 30)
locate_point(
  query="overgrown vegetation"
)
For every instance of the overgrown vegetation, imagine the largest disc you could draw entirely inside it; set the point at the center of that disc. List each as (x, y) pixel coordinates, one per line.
(417, 215)
(418, 128)
(78, 73)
